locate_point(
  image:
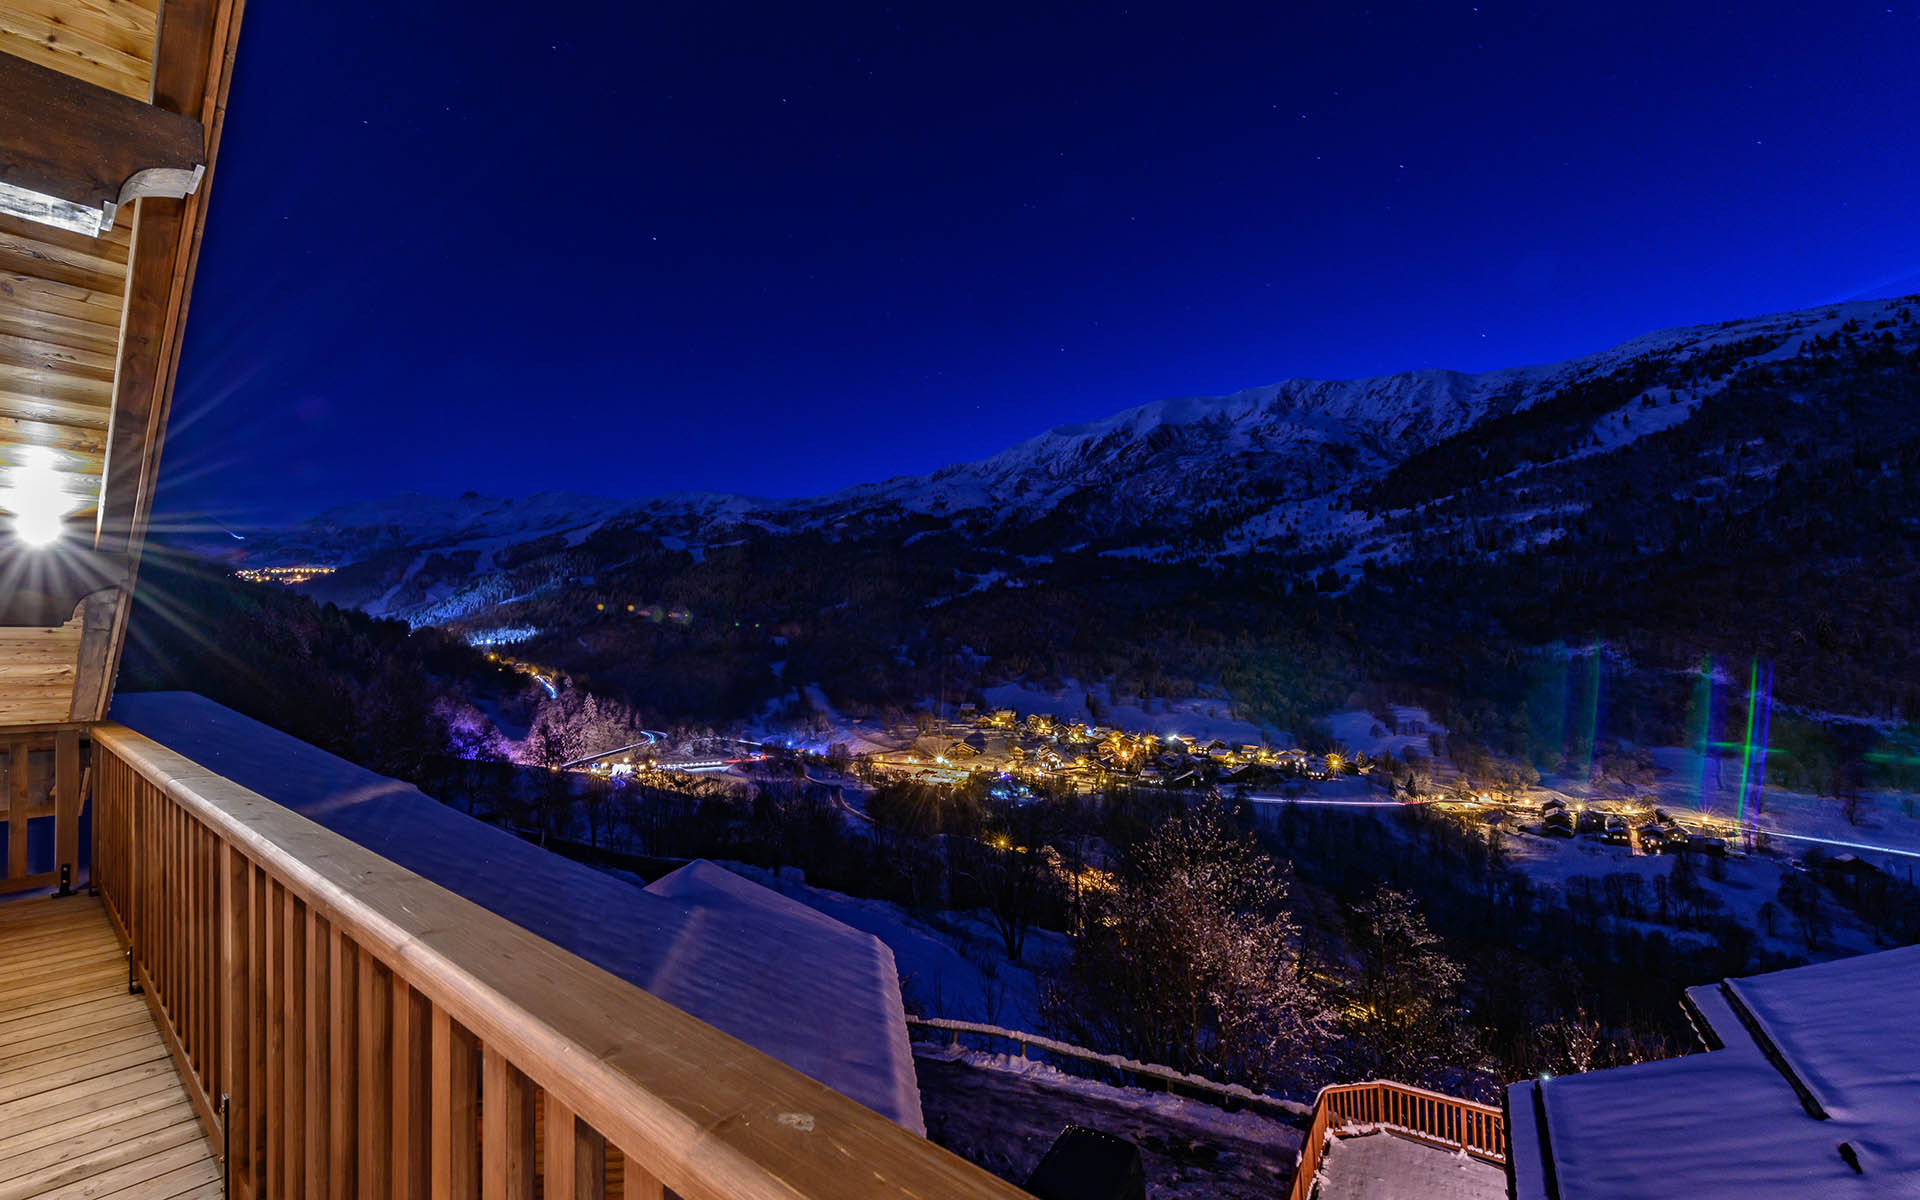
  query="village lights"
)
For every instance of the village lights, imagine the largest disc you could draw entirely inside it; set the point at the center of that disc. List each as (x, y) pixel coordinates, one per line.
(72, 153)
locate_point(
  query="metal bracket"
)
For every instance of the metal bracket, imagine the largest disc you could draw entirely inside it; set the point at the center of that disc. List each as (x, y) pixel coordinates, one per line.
(66, 881)
(226, 1145)
(133, 985)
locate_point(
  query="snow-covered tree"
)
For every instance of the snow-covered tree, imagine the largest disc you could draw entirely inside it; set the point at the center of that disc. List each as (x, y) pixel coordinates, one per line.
(1405, 996)
(1191, 960)
(577, 723)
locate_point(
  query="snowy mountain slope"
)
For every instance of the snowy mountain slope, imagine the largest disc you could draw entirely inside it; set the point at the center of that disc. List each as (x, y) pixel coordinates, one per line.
(354, 531)
(1301, 464)
(1379, 419)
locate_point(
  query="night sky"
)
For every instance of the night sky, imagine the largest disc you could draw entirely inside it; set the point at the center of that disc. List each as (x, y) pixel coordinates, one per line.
(628, 248)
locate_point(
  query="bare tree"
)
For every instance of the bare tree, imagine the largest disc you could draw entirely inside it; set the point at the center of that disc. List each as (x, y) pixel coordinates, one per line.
(1012, 871)
(1405, 995)
(1192, 960)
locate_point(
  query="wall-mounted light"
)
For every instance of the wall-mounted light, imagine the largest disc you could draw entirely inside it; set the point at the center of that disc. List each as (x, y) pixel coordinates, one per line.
(36, 496)
(72, 152)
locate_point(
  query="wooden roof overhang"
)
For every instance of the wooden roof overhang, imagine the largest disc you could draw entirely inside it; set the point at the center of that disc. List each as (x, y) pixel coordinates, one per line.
(100, 95)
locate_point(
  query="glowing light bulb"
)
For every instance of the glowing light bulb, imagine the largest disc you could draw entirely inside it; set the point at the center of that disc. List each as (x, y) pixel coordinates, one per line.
(37, 527)
(37, 498)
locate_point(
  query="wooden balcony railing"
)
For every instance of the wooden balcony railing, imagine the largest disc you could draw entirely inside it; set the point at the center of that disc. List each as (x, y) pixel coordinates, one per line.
(42, 792)
(366, 1033)
(1444, 1121)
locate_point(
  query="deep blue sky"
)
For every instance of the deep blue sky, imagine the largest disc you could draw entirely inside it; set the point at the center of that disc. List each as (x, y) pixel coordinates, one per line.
(628, 248)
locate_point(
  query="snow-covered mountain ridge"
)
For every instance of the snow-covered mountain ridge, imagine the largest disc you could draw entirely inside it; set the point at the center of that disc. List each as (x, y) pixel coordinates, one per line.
(1268, 467)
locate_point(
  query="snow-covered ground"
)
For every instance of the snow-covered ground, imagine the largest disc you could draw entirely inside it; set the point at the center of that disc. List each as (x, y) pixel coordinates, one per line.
(1385, 1166)
(1736, 887)
(1003, 1113)
(1362, 732)
(1689, 783)
(1746, 883)
(1693, 787)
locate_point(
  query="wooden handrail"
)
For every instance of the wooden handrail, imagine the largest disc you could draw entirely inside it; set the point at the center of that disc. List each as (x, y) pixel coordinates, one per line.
(1445, 1121)
(1312, 1149)
(375, 1034)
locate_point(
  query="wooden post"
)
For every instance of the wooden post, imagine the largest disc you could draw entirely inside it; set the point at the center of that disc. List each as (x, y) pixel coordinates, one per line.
(66, 793)
(256, 1010)
(376, 1095)
(16, 810)
(234, 1051)
(273, 1049)
(342, 1147)
(506, 1140)
(576, 1165)
(319, 1043)
(456, 1167)
(294, 1015)
(412, 1074)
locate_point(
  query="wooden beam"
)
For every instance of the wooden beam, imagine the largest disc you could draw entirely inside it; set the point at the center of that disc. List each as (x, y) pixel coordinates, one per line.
(192, 68)
(80, 142)
(94, 667)
(192, 65)
(142, 377)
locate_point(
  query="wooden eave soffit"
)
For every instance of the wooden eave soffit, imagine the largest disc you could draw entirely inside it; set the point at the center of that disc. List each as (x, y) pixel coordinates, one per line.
(72, 152)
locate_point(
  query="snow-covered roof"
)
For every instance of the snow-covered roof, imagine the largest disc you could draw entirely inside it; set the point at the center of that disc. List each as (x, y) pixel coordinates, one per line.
(1814, 1058)
(816, 994)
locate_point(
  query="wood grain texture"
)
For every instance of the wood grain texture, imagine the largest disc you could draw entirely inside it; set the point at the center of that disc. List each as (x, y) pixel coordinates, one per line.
(90, 1102)
(36, 666)
(455, 1150)
(108, 43)
(506, 1137)
(411, 1105)
(688, 1107)
(575, 1163)
(65, 137)
(195, 44)
(16, 810)
(319, 1047)
(374, 1139)
(90, 328)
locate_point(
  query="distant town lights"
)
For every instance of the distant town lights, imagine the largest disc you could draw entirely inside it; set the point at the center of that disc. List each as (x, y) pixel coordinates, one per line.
(37, 497)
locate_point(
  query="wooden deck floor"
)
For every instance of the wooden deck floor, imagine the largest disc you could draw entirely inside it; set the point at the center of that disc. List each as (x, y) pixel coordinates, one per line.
(90, 1105)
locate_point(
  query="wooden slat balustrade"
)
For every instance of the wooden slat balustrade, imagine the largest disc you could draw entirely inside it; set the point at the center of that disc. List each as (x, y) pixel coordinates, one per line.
(43, 786)
(374, 1034)
(1447, 1122)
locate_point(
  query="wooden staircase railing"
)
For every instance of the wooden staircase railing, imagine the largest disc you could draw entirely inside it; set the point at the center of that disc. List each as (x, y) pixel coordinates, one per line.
(354, 1030)
(1447, 1122)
